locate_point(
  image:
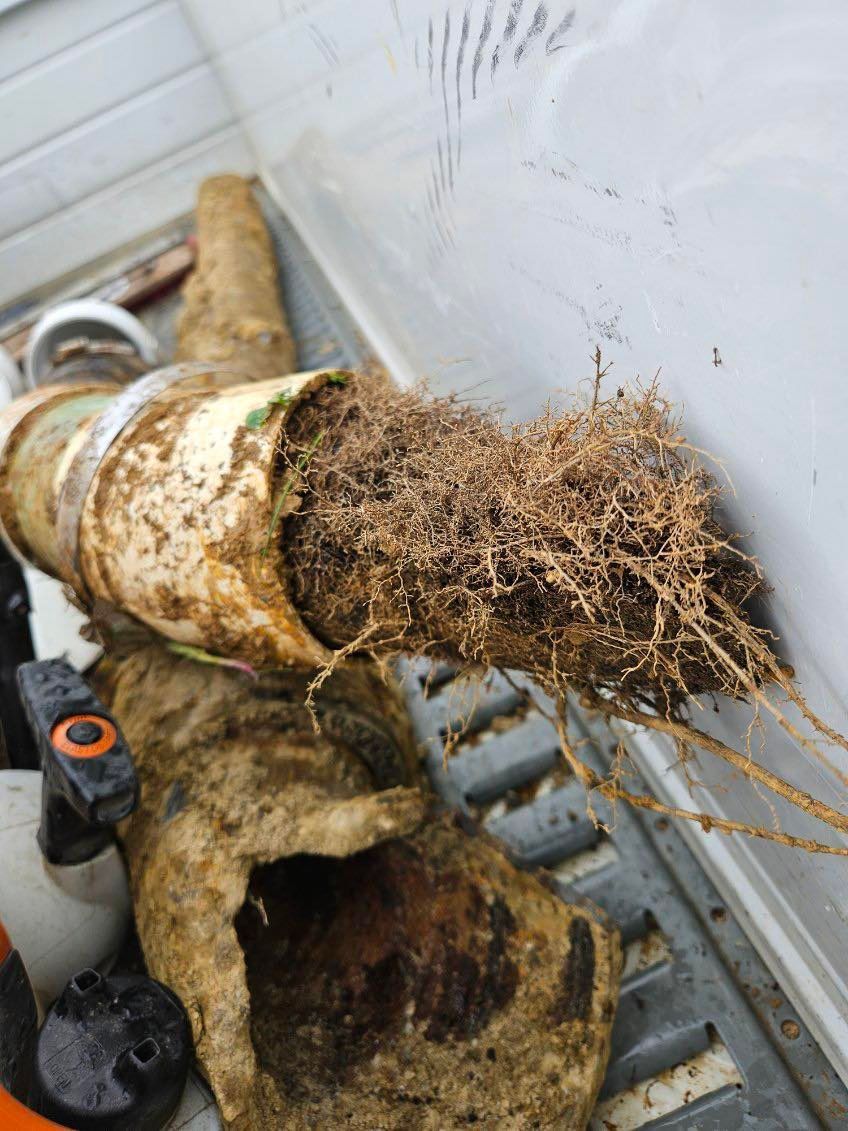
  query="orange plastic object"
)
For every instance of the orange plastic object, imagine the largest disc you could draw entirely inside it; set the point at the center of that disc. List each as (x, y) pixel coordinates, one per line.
(15, 1117)
(5, 944)
(59, 737)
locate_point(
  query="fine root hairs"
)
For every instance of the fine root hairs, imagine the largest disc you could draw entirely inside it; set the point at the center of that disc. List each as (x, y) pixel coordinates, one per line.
(581, 547)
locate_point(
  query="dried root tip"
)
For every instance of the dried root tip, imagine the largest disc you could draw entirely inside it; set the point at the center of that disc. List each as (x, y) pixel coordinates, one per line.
(612, 791)
(708, 822)
(686, 734)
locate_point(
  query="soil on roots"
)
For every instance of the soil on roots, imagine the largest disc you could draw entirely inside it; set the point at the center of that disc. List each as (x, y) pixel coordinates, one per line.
(581, 547)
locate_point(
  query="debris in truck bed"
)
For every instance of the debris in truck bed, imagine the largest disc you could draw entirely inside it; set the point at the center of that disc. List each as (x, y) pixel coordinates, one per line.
(232, 774)
(581, 547)
(345, 958)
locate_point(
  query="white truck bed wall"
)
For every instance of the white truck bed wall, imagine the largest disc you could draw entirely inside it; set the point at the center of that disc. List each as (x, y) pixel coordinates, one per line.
(111, 114)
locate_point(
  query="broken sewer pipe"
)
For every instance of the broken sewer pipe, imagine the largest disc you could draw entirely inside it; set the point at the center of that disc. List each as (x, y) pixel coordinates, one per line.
(159, 499)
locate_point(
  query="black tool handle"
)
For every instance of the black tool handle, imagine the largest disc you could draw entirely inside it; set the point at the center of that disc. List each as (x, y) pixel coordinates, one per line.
(89, 778)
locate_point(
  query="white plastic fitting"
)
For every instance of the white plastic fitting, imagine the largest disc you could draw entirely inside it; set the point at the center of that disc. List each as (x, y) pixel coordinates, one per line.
(89, 318)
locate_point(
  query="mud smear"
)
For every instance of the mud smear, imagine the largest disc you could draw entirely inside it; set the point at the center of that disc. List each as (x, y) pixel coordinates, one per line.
(460, 58)
(430, 53)
(552, 43)
(512, 20)
(448, 141)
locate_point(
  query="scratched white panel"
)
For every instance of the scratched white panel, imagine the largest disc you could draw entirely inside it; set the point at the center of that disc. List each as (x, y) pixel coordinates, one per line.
(498, 185)
(111, 146)
(93, 76)
(36, 29)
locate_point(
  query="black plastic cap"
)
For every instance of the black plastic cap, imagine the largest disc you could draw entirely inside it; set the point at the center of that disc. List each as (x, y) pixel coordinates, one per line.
(83, 734)
(112, 1053)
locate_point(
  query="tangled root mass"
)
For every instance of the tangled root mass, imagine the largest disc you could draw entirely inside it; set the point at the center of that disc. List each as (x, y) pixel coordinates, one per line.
(581, 547)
